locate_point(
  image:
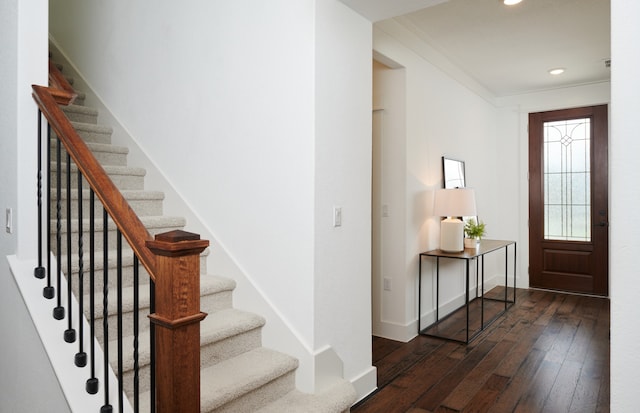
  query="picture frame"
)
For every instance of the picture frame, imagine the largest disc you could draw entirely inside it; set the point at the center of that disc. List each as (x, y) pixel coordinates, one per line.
(453, 173)
(453, 176)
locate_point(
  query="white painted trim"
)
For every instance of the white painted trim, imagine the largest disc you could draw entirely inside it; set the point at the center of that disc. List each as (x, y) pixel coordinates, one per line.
(396, 331)
(366, 383)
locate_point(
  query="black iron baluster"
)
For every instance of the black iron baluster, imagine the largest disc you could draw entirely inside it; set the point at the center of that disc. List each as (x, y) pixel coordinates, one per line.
(81, 356)
(48, 292)
(39, 271)
(119, 310)
(58, 311)
(136, 306)
(92, 382)
(70, 333)
(107, 408)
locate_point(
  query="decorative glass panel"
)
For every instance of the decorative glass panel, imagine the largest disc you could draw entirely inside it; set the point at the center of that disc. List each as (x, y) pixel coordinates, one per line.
(567, 175)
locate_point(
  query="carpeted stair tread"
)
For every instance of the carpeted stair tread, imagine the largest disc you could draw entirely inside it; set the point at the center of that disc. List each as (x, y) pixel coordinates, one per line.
(100, 147)
(129, 194)
(209, 285)
(109, 169)
(78, 113)
(215, 327)
(91, 132)
(227, 323)
(338, 398)
(236, 377)
(149, 222)
(123, 177)
(127, 260)
(105, 147)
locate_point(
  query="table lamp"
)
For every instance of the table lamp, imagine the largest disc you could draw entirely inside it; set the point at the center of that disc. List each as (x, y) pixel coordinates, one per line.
(453, 204)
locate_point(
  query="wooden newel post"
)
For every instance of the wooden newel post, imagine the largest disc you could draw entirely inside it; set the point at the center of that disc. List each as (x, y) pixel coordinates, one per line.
(177, 320)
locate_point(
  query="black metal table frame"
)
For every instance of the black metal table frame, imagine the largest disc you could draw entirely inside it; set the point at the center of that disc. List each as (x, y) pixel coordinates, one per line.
(486, 247)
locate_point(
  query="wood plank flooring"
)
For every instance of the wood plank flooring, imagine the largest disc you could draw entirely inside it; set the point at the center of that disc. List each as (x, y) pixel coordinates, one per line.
(548, 353)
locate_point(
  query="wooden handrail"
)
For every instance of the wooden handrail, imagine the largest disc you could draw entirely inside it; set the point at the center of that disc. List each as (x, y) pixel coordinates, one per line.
(114, 202)
(59, 86)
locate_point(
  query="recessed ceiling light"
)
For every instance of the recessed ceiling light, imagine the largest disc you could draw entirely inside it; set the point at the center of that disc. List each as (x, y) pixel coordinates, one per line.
(556, 71)
(511, 2)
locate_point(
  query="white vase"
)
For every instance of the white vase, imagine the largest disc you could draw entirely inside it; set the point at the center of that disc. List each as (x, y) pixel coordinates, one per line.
(471, 242)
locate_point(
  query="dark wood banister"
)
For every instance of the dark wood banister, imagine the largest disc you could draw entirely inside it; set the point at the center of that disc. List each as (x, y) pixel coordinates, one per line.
(114, 202)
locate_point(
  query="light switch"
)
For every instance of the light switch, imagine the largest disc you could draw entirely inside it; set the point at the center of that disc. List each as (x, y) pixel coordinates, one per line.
(386, 284)
(337, 216)
(9, 220)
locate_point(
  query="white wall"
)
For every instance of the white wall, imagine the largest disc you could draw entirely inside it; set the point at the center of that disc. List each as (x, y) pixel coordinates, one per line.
(624, 221)
(342, 261)
(26, 378)
(442, 117)
(389, 203)
(235, 102)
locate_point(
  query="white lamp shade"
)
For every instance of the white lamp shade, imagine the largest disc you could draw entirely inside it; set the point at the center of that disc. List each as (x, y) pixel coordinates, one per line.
(459, 202)
(453, 203)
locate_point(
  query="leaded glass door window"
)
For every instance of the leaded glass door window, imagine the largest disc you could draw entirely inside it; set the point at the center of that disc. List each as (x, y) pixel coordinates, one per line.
(567, 180)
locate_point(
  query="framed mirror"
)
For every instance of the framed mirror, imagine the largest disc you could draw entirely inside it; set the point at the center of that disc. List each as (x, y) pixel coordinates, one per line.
(454, 177)
(453, 173)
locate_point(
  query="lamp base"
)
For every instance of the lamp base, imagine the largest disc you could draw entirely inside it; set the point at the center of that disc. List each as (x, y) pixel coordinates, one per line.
(452, 235)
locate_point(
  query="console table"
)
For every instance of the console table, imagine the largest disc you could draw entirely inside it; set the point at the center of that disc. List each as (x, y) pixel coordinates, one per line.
(468, 255)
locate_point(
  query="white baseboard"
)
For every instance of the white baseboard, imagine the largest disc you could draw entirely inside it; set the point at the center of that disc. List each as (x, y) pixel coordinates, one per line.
(366, 383)
(395, 331)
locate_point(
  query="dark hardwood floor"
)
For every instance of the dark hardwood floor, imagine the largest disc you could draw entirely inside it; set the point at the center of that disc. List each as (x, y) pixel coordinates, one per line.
(548, 353)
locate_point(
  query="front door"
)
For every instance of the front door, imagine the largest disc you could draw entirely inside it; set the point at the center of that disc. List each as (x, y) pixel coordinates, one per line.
(568, 200)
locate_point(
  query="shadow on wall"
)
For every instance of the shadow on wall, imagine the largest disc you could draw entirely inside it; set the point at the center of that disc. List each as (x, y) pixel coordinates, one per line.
(423, 218)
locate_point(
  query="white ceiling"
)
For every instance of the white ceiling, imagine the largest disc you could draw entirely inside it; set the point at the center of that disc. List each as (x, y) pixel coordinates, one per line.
(509, 50)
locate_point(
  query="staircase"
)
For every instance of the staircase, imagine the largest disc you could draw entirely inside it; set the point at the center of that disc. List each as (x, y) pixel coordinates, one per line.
(238, 374)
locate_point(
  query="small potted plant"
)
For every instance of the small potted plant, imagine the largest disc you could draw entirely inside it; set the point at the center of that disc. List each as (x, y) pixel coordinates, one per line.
(474, 232)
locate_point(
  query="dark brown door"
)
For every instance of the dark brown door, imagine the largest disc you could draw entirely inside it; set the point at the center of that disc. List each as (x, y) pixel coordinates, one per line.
(568, 200)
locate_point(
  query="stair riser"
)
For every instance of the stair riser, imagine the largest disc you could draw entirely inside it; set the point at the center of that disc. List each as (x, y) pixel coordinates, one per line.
(79, 99)
(80, 116)
(127, 274)
(127, 279)
(104, 157)
(209, 354)
(97, 135)
(208, 304)
(258, 398)
(98, 239)
(122, 182)
(230, 347)
(112, 320)
(142, 207)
